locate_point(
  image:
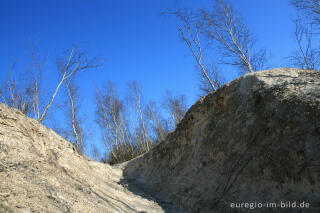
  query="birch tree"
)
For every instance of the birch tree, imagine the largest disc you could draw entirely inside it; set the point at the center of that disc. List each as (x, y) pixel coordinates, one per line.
(74, 118)
(223, 30)
(113, 125)
(189, 32)
(227, 30)
(306, 57)
(36, 83)
(310, 9)
(15, 95)
(176, 107)
(158, 125)
(140, 129)
(75, 60)
(306, 27)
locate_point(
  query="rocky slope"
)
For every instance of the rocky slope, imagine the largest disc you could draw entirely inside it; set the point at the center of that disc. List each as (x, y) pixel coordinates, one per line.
(257, 139)
(41, 172)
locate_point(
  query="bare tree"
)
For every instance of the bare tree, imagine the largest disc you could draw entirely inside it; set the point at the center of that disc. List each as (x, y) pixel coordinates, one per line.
(29, 98)
(74, 119)
(309, 8)
(140, 129)
(221, 28)
(308, 20)
(306, 57)
(108, 110)
(189, 33)
(214, 73)
(114, 127)
(12, 86)
(176, 107)
(129, 128)
(15, 95)
(225, 27)
(37, 70)
(158, 125)
(95, 152)
(74, 62)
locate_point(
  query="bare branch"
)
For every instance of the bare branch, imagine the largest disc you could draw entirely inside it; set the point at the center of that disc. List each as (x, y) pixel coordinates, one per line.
(37, 72)
(159, 127)
(310, 9)
(306, 57)
(13, 94)
(198, 57)
(224, 29)
(76, 126)
(176, 107)
(224, 26)
(12, 86)
(76, 62)
(189, 33)
(214, 73)
(136, 100)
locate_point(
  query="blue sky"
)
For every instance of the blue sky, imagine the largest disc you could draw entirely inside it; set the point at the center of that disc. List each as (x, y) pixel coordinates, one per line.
(137, 43)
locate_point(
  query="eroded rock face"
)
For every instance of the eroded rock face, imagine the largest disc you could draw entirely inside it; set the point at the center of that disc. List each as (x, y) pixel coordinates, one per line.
(257, 139)
(41, 172)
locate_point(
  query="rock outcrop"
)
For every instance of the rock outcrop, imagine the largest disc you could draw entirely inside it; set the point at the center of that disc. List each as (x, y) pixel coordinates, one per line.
(41, 172)
(255, 140)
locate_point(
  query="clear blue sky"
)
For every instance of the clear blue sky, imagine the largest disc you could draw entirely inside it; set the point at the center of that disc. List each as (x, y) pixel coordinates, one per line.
(137, 43)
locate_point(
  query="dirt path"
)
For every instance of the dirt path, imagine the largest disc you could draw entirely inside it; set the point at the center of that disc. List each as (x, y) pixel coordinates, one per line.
(138, 189)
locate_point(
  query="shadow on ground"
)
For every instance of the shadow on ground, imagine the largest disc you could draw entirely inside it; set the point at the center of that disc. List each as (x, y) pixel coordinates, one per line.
(138, 189)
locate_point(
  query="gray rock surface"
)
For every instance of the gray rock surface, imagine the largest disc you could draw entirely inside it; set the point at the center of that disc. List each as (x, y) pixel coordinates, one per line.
(257, 139)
